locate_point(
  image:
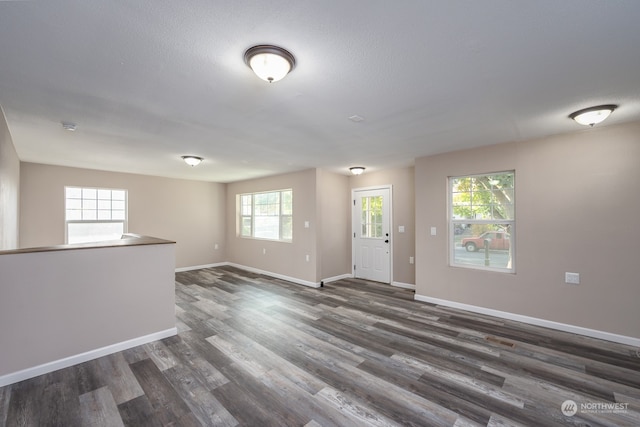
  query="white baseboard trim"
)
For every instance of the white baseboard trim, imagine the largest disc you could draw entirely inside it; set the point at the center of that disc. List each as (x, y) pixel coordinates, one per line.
(403, 285)
(200, 267)
(336, 278)
(593, 333)
(276, 275)
(45, 368)
(269, 273)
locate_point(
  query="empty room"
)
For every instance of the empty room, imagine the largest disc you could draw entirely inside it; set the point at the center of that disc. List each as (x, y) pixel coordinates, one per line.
(305, 213)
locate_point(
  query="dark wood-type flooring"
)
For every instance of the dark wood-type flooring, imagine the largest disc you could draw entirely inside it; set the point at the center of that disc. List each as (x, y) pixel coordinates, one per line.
(258, 351)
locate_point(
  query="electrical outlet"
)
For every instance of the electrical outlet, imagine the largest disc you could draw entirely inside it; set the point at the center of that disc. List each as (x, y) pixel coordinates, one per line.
(572, 278)
(410, 260)
(215, 246)
(307, 258)
(264, 251)
(434, 231)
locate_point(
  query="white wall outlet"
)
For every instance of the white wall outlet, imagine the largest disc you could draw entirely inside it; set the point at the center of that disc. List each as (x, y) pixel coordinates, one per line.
(215, 246)
(264, 251)
(306, 224)
(307, 257)
(401, 229)
(411, 260)
(572, 278)
(434, 231)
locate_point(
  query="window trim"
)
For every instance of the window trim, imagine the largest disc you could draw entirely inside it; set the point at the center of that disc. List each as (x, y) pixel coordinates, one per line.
(453, 222)
(124, 222)
(240, 215)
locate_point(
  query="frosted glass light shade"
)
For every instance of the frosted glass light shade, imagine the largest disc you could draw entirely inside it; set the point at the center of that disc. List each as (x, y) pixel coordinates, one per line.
(270, 63)
(270, 67)
(192, 160)
(593, 115)
(357, 170)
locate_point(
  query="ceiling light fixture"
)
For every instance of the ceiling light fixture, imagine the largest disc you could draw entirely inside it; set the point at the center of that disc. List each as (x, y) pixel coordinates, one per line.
(71, 127)
(192, 160)
(270, 63)
(357, 170)
(593, 115)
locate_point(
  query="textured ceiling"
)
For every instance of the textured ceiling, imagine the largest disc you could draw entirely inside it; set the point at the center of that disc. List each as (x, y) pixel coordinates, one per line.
(147, 81)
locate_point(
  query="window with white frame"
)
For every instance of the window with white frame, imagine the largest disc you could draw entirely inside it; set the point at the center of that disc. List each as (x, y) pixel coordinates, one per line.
(482, 221)
(267, 215)
(94, 214)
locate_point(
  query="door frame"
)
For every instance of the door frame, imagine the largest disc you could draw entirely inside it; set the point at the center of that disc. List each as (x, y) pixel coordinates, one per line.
(353, 226)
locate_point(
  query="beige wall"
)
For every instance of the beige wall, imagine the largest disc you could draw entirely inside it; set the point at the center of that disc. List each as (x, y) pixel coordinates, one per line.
(577, 198)
(334, 223)
(61, 304)
(287, 259)
(9, 188)
(402, 182)
(188, 212)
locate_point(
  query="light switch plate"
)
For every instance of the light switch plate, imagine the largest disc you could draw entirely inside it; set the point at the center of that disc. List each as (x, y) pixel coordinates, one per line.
(572, 278)
(433, 231)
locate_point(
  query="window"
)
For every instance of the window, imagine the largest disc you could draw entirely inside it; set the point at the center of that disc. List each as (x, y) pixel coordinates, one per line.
(266, 215)
(95, 214)
(482, 221)
(372, 216)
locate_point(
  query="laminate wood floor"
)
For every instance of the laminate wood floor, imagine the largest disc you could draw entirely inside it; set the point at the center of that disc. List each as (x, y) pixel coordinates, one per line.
(258, 351)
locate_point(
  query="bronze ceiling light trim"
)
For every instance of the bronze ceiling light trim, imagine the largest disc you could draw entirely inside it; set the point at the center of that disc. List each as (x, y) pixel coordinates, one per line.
(593, 115)
(192, 160)
(270, 63)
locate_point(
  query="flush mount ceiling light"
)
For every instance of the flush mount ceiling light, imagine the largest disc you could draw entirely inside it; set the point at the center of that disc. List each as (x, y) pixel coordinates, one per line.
(357, 170)
(270, 63)
(593, 115)
(192, 160)
(71, 127)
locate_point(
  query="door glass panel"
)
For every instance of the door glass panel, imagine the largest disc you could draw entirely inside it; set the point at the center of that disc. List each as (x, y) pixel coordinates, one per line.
(372, 217)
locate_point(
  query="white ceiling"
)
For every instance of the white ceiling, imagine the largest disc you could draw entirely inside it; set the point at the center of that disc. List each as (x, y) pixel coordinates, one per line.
(147, 81)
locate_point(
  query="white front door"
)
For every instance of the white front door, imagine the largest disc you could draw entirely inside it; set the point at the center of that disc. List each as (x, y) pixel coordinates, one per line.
(371, 234)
